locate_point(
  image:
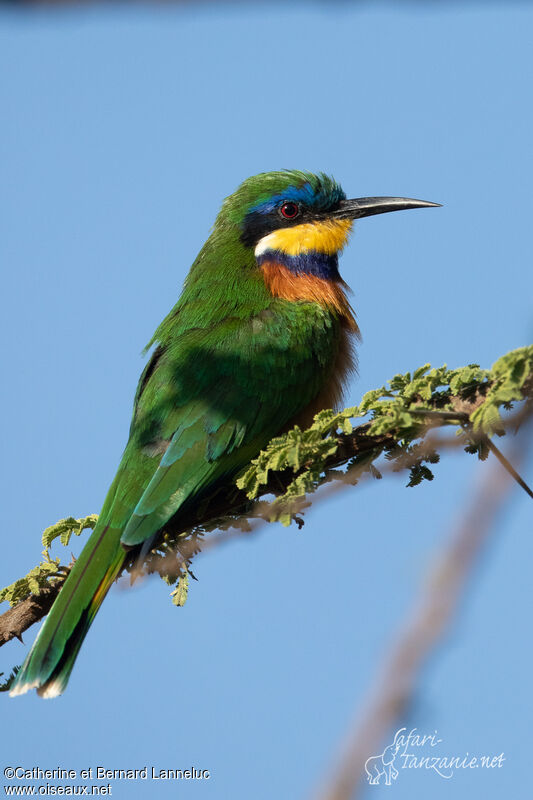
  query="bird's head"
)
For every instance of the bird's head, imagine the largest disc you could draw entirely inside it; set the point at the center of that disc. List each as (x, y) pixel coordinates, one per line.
(292, 226)
(299, 219)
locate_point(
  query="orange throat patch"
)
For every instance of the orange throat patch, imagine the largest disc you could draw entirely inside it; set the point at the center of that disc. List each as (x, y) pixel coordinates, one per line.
(331, 294)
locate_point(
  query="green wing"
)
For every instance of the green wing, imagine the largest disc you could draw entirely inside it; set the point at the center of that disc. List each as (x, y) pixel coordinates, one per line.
(207, 403)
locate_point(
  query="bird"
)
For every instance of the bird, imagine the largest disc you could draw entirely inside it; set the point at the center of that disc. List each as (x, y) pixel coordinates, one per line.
(261, 338)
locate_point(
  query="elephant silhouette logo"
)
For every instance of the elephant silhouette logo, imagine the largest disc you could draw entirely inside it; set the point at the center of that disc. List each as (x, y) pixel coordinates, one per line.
(377, 766)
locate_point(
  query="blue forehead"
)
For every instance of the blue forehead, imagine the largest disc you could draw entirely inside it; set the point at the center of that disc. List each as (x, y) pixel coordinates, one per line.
(305, 194)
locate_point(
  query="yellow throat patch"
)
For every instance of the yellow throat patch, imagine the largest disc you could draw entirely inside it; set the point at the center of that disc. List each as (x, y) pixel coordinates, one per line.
(329, 237)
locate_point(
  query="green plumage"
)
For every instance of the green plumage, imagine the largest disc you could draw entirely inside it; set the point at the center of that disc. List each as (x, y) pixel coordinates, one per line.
(232, 366)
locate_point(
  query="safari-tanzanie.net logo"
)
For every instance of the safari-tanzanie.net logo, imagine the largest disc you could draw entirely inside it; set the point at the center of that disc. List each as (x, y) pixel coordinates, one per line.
(416, 751)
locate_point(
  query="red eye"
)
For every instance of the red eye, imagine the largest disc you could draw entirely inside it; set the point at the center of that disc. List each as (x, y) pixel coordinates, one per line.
(290, 210)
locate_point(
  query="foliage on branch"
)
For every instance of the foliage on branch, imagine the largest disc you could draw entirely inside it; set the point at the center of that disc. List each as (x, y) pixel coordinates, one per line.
(5, 685)
(393, 420)
(469, 398)
(50, 569)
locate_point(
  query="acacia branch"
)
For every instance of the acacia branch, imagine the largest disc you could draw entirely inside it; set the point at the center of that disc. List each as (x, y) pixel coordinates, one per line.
(224, 506)
(405, 444)
(18, 619)
(15, 621)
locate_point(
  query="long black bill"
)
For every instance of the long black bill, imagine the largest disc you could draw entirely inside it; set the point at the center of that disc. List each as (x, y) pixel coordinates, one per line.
(368, 206)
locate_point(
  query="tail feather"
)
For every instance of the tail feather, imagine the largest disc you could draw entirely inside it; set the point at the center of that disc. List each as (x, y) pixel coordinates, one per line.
(49, 663)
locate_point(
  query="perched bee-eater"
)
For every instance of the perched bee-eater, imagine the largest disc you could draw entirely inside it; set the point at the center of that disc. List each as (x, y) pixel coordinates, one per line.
(261, 339)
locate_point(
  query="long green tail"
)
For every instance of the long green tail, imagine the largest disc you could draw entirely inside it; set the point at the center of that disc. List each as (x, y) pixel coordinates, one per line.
(49, 663)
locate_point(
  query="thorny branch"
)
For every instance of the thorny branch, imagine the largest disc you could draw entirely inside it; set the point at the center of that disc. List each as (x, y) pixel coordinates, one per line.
(15, 621)
(224, 506)
(295, 464)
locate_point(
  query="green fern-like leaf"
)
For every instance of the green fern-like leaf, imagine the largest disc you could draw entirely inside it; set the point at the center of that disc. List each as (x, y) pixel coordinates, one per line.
(6, 685)
(179, 595)
(50, 568)
(396, 410)
(66, 528)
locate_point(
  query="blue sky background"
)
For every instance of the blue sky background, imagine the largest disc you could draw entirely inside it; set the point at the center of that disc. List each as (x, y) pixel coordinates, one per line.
(122, 128)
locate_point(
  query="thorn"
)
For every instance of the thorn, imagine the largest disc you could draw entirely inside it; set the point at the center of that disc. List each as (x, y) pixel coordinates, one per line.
(509, 467)
(19, 637)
